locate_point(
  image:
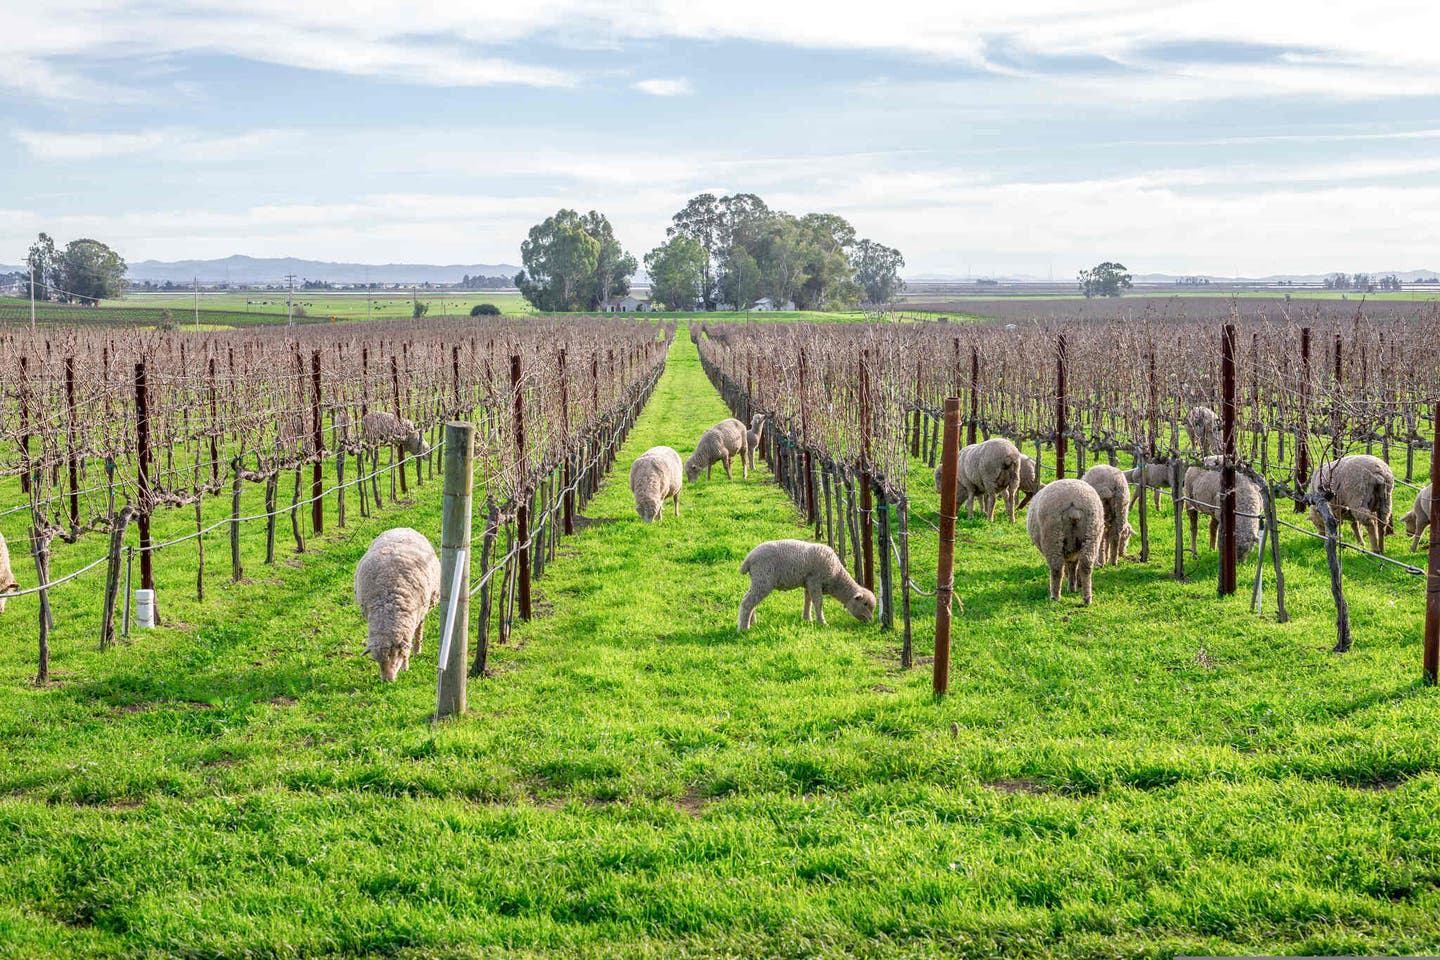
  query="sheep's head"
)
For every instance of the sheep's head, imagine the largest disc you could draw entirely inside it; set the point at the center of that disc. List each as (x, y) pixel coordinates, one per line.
(415, 444)
(1029, 476)
(861, 605)
(649, 508)
(1411, 521)
(1126, 532)
(692, 469)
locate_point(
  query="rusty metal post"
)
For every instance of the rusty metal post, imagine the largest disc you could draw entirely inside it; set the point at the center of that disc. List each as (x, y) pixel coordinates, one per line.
(522, 497)
(1432, 579)
(1228, 559)
(72, 460)
(142, 456)
(945, 569)
(1302, 441)
(972, 426)
(1061, 442)
(317, 434)
(867, 545)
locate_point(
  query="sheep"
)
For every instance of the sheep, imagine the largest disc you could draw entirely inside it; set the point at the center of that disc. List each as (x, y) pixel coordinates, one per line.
(382, 428)
(984, 470)
(1362, 489)
(655, 478)
(753, 436)
(1202, 495)
(1066, 523)
(1029, 478)
(1157, 478)
(793, 564)
(1415, 523)
(397, 583)
(1203, 426)
(1114, 493)
(718, 444)
(8, 582)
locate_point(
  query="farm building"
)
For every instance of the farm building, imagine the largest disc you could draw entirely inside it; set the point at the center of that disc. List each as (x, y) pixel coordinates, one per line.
(765, 303)
(628, 304)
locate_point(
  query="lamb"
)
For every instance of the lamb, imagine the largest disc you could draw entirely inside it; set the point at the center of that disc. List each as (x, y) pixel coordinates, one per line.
(1066, 523)
(1203, 426)
(1114, 491)
(397, 583)
(984, 470)
(382, 428)
(1202, 495)
(753, 437)
(655, 478)
(718, 444)
(793, 564)
(1157, 478)
(8, 582)
(1415, 523)
(1362, 488)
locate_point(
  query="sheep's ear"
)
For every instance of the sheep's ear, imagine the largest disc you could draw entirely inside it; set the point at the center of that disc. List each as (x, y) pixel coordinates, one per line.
(10, 588)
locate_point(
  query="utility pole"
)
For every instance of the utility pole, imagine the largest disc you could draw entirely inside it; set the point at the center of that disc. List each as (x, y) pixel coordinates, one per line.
(290, 301)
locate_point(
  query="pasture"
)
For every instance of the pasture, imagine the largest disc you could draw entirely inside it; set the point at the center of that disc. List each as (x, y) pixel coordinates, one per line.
(1162, 772)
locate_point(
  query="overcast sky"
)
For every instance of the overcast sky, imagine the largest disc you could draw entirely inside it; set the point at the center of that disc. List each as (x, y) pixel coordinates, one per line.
(1020, 137)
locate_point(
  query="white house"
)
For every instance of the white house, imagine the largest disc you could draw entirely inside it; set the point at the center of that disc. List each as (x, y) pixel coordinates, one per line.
(628, 304)
(766, 304)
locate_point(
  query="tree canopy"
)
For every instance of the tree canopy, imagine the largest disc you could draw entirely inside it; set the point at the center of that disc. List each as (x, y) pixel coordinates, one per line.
(1108, 279)
(573, 263)
(677, 272)
(86, 271)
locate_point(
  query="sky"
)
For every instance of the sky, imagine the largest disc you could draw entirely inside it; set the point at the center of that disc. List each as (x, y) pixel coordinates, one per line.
(1036, 138)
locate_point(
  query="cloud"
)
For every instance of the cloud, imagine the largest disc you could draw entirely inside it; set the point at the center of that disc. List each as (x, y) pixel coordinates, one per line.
(676, 87)
(171, 143)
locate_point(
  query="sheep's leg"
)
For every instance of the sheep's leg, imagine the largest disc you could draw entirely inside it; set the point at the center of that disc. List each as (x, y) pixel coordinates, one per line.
(1194, 530)
(1214, 532)
(677, 504)
(1072, 575)
(1012, 494)
(1054, 582)
(747, 606)
(817, 596)
(726, 461)
(419, 635)
(744, 466)
(990, 501)
(1086, 570)
(709, 467)
(1157, 497)
(805, 607)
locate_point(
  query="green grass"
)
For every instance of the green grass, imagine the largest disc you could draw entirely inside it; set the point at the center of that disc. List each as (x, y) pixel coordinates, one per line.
(638, 779)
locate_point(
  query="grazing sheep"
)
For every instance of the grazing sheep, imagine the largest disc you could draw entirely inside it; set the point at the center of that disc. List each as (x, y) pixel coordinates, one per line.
(1157, 478)
(1114, 493)
(397, 583)
(1029, 478)
(386, 428)
(1363, 488)
(7, 576)
(1066, 523)
(718, 445)
(793, 564)
(984, 470)
(753, 437)
(1202, 495)
(1203, 426)
(1415, 523)
(655, 478)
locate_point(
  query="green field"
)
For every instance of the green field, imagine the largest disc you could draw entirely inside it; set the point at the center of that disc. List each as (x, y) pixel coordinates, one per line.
(1162, 772)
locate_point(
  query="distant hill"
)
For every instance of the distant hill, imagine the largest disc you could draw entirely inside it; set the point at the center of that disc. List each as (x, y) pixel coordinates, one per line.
(241, 269)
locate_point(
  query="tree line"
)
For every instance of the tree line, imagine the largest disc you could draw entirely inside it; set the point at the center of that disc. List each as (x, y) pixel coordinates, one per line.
(721, 252)
(85, 271)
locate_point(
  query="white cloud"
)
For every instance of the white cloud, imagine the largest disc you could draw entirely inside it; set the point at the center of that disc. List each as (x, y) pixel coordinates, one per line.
(658, 87)
(170, 143)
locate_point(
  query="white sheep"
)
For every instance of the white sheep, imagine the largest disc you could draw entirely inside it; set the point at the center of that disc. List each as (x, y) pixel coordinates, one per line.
(987, 469)
(655, 477)
(1415, 522)
(8, 582)
(378, 427)
(1114, 491)
(1066, 522)
(1203, 426)
(1029, 478)
(796, 564)
(397, 583)
(718, 445)
(753, 436)
(1157, 478)
(1202, 495)
(1363, 488)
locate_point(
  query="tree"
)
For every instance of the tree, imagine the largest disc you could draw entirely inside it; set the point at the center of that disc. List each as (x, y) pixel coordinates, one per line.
(677, 272)
(782, 253)
(829, 276)
(1109, 279)
(484, 310)
(91, 271)
(877, 270)
(741, 282)
(43, 265)
(417, 310)
(559, 260)
(613, 266)
(700, 220)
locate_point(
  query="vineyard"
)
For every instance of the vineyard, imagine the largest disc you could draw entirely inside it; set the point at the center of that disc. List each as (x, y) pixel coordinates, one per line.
(102, 429)
(1181, 767)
